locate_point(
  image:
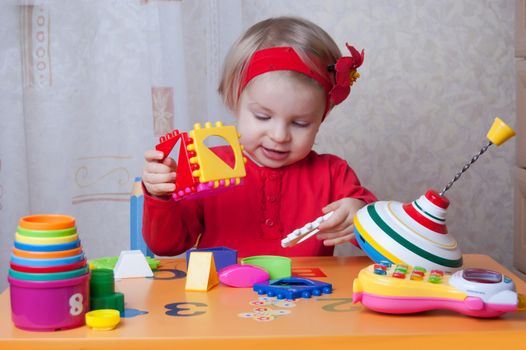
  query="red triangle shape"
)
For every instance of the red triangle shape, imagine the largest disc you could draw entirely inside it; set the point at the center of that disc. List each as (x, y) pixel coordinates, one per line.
(184, 177)
(167, 142)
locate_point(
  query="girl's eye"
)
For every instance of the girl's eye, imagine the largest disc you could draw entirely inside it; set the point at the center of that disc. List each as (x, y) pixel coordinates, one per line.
(261, 117)
(301, 124)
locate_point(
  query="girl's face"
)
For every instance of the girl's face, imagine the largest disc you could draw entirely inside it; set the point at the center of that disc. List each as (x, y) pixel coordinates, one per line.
(278, 118)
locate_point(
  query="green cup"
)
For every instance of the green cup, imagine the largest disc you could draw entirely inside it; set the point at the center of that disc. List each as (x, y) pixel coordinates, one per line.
(277, 266)
(114, 301)
(46, 233)
(101, 283)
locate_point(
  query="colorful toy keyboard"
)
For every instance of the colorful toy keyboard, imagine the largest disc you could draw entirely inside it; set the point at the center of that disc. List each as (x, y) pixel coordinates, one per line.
(400, 289)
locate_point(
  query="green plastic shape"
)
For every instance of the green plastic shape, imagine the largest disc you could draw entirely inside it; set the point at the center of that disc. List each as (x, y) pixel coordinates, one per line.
(277, 266)
(110, 262)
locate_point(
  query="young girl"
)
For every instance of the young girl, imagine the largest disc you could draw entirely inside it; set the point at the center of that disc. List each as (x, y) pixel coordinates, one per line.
(280, 79)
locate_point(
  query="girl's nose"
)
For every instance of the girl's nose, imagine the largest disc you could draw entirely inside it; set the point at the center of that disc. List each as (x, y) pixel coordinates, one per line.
(280, 133)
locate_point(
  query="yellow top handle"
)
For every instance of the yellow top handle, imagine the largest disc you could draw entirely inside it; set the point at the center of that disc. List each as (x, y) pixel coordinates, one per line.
(500, 132)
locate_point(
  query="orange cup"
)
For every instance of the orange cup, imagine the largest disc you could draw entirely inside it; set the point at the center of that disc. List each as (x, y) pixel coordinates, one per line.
(47, 222)
(46, 255)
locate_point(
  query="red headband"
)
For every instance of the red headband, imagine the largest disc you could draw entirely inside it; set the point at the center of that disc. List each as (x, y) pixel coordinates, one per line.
(286, 58)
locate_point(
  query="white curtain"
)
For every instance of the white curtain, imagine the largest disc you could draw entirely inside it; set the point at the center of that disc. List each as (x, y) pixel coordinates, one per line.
(85, 88)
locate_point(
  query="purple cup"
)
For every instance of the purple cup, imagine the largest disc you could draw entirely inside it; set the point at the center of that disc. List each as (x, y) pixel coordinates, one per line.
(49, 305)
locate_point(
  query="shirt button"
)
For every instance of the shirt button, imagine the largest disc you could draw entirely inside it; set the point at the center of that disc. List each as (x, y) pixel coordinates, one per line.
(273, 176)
(271, 199)
(269, 222)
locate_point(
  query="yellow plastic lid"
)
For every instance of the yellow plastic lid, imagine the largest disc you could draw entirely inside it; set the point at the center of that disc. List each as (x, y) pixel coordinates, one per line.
(103, 319)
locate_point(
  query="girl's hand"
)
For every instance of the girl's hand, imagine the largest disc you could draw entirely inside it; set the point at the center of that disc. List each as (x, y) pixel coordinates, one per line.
(158, 175)
(339, 228)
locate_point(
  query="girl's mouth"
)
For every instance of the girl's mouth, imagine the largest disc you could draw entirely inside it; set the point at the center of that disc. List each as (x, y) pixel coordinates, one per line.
(273, 154)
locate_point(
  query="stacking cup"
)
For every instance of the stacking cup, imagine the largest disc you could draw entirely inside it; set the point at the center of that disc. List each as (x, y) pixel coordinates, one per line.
(48, 275)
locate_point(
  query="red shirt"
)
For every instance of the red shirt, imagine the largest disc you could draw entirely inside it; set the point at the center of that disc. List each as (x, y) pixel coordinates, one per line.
(254, 217)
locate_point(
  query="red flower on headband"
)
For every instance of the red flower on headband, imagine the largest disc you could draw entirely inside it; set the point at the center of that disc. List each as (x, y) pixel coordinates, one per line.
(346, 75)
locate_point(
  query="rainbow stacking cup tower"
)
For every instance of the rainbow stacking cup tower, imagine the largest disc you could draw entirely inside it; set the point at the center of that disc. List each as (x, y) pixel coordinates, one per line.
(48, 275)
(416, 233)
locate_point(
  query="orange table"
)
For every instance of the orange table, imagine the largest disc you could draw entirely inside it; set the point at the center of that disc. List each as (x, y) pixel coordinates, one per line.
(176, 319)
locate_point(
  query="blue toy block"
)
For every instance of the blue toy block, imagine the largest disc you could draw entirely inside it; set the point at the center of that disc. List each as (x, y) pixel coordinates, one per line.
(293, 288)
(223, 256)
(136, 208)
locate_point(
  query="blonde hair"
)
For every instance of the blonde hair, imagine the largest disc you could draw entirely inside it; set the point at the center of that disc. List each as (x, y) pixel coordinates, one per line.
(308, 39)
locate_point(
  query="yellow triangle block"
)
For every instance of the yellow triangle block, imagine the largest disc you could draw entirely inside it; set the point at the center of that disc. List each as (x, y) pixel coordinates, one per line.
(201, 274)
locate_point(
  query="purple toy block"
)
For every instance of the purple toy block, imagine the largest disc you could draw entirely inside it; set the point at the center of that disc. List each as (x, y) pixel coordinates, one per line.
(223, 256)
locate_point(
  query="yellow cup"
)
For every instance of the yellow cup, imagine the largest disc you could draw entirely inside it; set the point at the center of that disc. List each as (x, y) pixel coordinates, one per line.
(499, 132)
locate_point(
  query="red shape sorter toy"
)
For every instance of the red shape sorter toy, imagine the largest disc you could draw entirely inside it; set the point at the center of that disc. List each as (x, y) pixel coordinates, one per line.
(199, 169)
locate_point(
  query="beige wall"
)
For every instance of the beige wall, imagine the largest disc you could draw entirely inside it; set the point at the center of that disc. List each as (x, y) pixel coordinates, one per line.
(519, 253)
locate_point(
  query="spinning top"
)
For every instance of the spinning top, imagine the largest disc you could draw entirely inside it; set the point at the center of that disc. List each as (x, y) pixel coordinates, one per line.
(416, 233)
